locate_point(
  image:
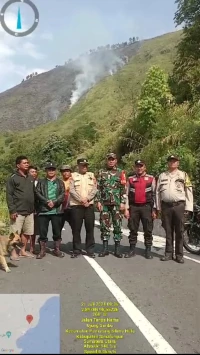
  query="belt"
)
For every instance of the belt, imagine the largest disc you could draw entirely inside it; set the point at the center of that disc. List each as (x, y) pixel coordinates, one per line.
(140, 204)
(172, 204)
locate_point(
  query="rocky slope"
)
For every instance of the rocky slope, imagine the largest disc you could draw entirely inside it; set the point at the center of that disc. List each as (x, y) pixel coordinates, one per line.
(45, 97)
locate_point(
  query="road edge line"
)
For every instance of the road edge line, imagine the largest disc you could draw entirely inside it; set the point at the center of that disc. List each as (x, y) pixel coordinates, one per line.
(154, 338)
(126, 233)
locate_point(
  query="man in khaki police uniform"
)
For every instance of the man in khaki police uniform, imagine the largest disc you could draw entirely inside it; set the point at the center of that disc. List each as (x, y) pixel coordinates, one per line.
(174, 197)
(82, 192)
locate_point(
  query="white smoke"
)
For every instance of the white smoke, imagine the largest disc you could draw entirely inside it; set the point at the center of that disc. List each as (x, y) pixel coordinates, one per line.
(93, 67)
(53, 109)
(54, 114)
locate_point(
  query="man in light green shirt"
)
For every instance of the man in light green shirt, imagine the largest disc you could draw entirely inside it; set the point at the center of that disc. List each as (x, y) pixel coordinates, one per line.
(50, 193)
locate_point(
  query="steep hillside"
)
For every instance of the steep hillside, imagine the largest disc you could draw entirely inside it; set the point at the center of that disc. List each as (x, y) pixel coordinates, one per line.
(90, 127)
(45, 97)
(37, 100)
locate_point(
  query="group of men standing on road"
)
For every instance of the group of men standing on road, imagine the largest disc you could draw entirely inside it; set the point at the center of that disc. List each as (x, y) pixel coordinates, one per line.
(169, 196)
(139, 197)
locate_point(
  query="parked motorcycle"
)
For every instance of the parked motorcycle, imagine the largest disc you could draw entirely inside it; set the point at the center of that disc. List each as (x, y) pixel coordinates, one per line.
(191, 239)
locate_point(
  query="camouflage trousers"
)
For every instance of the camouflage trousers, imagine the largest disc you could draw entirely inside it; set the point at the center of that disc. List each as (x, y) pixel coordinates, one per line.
(111, 215)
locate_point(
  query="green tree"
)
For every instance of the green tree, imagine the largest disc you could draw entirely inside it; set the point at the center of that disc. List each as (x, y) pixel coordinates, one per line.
(55, 149)
(154, 97)
(188, 12)
(185, 82)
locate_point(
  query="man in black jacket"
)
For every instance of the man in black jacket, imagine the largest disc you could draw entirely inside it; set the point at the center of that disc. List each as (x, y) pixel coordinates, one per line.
(20, 201)
(50, 193)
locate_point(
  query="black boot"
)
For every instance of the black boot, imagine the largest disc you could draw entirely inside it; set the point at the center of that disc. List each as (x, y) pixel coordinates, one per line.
(42, 252)
(117, 250)
(148, 253)
(167, 257)
(56, 250)
(179, 259)
(105, 250)
(131, 252)
(90, 254)
(75, 253)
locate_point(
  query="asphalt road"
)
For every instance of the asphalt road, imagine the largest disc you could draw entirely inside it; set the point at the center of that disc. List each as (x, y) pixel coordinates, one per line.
(158, 302)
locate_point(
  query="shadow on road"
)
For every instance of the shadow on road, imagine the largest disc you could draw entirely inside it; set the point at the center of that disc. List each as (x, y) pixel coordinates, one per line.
(67, 249)
(9, 265)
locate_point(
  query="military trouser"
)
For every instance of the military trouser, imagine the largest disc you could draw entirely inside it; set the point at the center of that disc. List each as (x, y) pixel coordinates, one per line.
(111, 215)
(141, 212)
(173, 219)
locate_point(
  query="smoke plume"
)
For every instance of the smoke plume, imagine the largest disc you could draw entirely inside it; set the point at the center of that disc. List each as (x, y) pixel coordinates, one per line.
(92, 68)
(53, 110)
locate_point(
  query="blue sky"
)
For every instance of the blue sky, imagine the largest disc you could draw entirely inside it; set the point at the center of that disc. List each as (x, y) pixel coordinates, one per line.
(68, 28)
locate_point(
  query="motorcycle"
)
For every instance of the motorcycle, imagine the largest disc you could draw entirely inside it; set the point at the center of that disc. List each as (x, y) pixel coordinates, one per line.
(191, 241)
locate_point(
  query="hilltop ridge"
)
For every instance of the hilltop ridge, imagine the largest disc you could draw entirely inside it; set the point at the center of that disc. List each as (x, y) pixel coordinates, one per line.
(45, 97)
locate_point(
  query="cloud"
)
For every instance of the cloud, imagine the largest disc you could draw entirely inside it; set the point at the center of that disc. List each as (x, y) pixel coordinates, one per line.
(47, 36)
(30, 49)
(15, 51)
(5, 50)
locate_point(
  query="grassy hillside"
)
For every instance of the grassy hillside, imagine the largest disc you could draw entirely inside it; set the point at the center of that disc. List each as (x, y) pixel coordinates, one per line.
(37, 100)
(108, 105)
(43, 98)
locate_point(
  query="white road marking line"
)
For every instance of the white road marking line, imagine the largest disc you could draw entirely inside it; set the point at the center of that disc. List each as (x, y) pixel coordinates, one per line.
(155, 339)
(195, 260)
(158, 242)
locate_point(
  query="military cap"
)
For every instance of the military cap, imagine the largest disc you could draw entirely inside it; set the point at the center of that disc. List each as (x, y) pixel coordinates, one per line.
(50, 165)
(111, 155)
(82, 161)
(173, 157)
(139, 162)
(65, 167)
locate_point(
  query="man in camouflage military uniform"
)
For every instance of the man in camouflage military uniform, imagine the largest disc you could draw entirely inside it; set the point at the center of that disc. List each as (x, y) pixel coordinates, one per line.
(111, 199)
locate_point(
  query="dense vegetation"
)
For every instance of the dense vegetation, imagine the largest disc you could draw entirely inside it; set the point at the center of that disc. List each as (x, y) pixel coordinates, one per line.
(149, 109)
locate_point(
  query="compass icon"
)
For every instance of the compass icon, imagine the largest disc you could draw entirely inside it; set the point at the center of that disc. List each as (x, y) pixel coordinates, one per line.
(18, 20)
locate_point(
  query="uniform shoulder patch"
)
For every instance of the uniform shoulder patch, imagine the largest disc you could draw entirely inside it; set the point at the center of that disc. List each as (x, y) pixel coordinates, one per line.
(103, 172)
(164, 175)
(187, 181)
(91, 175)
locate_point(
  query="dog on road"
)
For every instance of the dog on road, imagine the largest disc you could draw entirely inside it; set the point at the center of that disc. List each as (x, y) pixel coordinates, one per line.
(7, 244)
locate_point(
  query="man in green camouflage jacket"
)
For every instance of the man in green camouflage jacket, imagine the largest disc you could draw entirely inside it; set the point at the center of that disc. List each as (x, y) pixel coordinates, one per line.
(111, 200)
